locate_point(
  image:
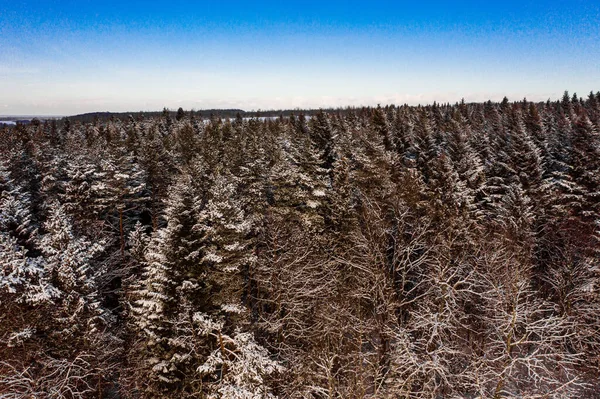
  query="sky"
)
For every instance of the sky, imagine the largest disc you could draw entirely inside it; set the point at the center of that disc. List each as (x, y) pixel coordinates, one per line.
(70, 57)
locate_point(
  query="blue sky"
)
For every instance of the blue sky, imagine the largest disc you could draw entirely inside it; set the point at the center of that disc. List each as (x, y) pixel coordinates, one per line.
(69, 57)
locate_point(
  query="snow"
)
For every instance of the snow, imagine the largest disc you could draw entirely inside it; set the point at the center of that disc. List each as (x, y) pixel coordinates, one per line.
(233, 308)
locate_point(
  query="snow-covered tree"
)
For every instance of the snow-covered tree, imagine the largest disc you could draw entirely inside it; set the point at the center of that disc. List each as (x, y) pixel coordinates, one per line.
(173, 283)
(239, 368)
(525, 352)
(24, 280)
(297, 182)
(15, 209)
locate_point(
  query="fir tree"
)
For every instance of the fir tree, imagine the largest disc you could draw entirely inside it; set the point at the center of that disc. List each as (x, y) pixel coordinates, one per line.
(172, 288)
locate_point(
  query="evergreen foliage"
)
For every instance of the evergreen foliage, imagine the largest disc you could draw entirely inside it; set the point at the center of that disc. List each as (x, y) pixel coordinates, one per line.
(438, 251)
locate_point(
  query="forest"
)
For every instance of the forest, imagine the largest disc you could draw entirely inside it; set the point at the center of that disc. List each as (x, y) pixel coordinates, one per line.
(98, 117)
(439, 251)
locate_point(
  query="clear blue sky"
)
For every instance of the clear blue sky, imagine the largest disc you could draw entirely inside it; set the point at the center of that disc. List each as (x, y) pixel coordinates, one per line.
(68, 57)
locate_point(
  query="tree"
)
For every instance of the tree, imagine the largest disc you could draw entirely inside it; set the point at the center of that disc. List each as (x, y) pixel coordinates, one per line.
(118, 191)
(525, 353)
(392, 251)
(585, 164)
(243, 366)
(62, 323)
(449, 199)
(15, 210)
(180, 114)
(172, 289)
(297, 183)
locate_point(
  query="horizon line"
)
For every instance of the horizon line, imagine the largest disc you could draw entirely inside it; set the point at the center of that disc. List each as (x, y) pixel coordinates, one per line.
(266, 110)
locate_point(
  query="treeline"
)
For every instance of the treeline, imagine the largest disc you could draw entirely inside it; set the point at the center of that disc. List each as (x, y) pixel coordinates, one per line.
(446, 251)
(98, 117)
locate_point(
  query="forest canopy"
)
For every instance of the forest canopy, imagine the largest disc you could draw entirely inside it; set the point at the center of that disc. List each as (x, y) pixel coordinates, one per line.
(439, 251)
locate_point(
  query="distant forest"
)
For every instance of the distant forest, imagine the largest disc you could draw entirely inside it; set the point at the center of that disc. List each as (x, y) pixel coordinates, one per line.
(440, 251)
(202, 114)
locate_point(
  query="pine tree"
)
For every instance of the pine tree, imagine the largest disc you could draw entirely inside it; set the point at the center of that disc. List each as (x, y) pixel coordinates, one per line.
(24, 280)
(426, 149)
(298, 184)
(118, 192)
(186, 143)
(15, 210)
(383, 129)
(322, 135)
(172, 289)
(526, 159)
(465, 159)
(516, 217)
(180, 114)
(158, 168)
(450, 201)
(226, 255)
(76, 190)
(373, 168)
(69, 258)
(585, 164)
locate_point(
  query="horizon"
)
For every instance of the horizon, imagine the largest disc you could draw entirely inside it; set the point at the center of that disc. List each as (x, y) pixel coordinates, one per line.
(13, 117)
(80, 57)
(268, 110)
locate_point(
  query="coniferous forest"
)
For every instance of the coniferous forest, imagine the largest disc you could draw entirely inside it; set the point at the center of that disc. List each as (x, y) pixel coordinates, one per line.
(440, 251)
